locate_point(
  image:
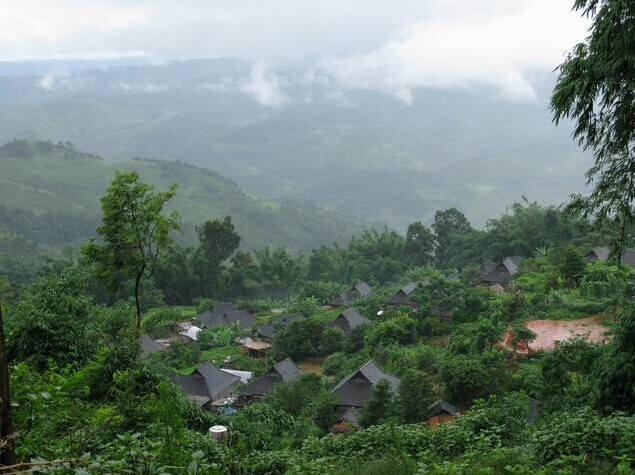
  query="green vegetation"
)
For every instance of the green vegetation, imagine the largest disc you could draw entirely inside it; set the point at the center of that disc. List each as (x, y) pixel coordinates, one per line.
(84, 400)
(50, 200)
(442, 324)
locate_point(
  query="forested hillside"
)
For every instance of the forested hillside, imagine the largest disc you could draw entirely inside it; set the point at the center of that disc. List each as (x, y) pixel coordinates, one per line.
(49, 199)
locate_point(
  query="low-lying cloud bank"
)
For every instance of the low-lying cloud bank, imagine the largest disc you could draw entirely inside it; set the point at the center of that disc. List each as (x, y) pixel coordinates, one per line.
(375, 44)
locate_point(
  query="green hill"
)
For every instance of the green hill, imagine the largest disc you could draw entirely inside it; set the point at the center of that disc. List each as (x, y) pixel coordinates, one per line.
(49, 197)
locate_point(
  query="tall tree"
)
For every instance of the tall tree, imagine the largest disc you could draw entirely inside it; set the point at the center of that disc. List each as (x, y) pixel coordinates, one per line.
(136, 228)
(448, 224)
(7, 454)
(616, 372)
(218, 240)
(378, 407)
(415, 395)
(419, 244)
(596, 88)
(54, 321)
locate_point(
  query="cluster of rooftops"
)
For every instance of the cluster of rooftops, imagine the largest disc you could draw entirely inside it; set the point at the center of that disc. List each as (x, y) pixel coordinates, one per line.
(210, 385)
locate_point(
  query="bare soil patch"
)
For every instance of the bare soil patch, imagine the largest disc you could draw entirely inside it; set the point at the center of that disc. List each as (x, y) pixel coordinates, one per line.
(312, 364)
(548, 332)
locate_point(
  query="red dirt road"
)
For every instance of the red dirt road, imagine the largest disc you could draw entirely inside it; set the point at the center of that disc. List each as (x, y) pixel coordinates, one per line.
(550, 331)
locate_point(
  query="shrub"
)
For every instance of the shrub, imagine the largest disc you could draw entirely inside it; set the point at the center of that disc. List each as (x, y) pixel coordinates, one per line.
(161, 317)
(399, 330)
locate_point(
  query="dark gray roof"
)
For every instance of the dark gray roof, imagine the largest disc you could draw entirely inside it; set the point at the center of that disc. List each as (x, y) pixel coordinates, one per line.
(349, 319)
(501, 272)
(261, 386)
(224, 307)
(603, 253)
(598, 253)
(149, 346)
(408, 288)
(442, 407)
(352, 415)
(363, 289)
(403, 295)
(512, 264)
(207, 318)
(207, 381)
(287, 370)
(355, 389)
(269, 329)
(192, 384)
(210, 318)
(282, 372)
(359, 290)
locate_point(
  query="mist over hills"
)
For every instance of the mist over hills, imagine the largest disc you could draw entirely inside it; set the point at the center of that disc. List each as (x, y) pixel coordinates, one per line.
(293, 132)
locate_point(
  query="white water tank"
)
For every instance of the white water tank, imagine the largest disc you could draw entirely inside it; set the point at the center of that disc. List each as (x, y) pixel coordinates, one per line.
(218, 433)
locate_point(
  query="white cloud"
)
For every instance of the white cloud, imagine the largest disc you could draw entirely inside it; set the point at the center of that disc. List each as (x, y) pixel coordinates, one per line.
(462, 51)
(65, 28)
(48, 81)
(264, 86)
(57, 79)
(374, 44)
(143, 87)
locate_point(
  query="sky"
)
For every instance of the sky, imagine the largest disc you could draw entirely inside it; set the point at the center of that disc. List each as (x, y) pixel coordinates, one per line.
(388, 45)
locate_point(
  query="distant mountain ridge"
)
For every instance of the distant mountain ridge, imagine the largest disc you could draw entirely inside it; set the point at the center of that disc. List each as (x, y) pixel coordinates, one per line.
(42, 184)
(359, 152)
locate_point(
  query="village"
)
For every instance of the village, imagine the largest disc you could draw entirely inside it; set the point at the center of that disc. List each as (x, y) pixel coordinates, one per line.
(226, 390)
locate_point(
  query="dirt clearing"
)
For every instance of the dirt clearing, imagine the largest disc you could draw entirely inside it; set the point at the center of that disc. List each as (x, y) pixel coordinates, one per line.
(548, 332)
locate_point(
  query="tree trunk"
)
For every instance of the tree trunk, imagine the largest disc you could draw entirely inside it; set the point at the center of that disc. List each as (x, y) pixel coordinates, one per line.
(7, 456)
(137, 285)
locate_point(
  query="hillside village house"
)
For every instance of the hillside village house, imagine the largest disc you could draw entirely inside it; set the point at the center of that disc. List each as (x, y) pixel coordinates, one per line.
(603, 254)
(254, 347)
(208, 385)
(348, 320)
(284, 371)
(224, 314)
(441, 412)
(268, 331)
(358, 291)
(259, 345)
(497, 275)
(403, 297)
(355, 390)
(150, 346)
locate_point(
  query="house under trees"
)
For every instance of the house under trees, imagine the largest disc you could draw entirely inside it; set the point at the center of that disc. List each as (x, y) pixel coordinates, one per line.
(359, 291)
(355, 390)
(284, 371)
(349, 319)
(208, 385)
